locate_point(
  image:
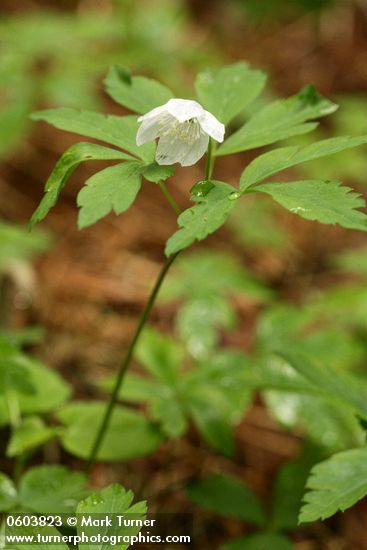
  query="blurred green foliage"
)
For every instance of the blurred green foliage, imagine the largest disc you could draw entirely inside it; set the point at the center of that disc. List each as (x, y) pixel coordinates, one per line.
(57, 58)
(16, 243)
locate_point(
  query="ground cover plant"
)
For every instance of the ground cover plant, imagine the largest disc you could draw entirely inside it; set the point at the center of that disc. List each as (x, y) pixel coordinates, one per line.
(305, 362)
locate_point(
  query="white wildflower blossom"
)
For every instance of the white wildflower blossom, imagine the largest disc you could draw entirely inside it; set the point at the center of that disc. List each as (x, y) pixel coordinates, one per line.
(183, 127)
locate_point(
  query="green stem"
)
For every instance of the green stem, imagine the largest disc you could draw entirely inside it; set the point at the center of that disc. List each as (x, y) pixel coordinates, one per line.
(126, 362)
(169, 198)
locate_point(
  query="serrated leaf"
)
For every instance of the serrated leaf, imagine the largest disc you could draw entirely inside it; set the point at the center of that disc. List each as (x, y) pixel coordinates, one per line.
(129, 435)
(227, 91)
(52, 489)
(138, 93)
(288, 492)
(63, 169)
(156, 172)
(323, 201)
(31, 433)
(275, 161)
(115, 130)
(112, 189)
(335, 484)
(112, 500)
(279, 120)
(204, 218)
(227, 496)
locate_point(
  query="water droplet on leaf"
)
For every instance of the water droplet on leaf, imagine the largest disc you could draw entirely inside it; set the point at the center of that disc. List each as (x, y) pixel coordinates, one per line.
(235, 195)
(202, 188)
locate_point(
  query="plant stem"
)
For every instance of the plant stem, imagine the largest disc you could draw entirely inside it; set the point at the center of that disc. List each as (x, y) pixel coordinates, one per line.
(126, 362)
(169, 197)
(209, 161)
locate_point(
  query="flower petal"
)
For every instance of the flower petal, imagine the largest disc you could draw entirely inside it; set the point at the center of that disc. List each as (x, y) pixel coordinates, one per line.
(171, 150)
(157, 111)
(211, 126)
(195, 151)
(148, 130)
(184, 109)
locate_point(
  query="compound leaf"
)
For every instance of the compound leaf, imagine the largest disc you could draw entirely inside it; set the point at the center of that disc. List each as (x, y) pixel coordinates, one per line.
(279, 120)
(115, 130)
(285, 157)
(335, 484)
(138, 93)
(204, 218)
(324, 201)
(63, 169)
(226, 91)
(113, 189)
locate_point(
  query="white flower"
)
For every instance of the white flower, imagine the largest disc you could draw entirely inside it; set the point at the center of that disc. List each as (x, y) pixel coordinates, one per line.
(183, 128)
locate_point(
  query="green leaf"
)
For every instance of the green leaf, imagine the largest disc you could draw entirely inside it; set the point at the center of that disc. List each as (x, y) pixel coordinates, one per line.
(63, 169)
(325, 422)
(163, 402)
(167, 409)
(335, 484)
(279, 120)
(8, 493)
(111, 501)
(227, 91)
(204, 218)
(259, 542)
(275, 161)
(138, 93)
(343, 386)
(52, 489)
(135, 388)
(112, 189)
(288, 492)
(209, 410)
(155, 172)
(14, 376)
(31, 433)
(130, 434)
(115, 130)
(199, 320)
(17, 244)
(49, 391)
(227, 496)
(324, 201)
(31, 531)
(160, 355)
(228, 276)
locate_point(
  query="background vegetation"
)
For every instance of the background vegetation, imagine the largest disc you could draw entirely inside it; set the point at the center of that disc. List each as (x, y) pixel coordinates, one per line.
(69, 300)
